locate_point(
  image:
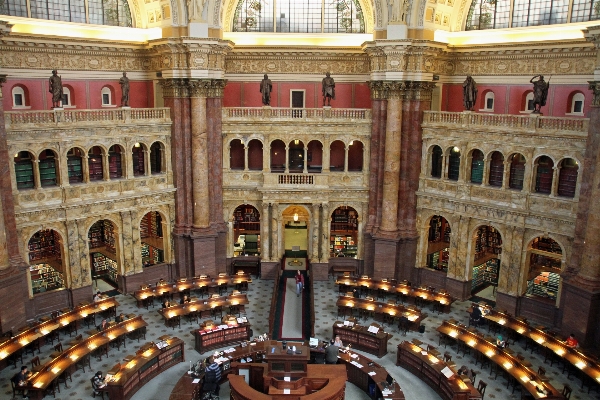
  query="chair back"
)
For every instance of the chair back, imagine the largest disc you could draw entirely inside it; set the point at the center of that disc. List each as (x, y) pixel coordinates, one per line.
(58, 347)
(481, 387)
(35, 361)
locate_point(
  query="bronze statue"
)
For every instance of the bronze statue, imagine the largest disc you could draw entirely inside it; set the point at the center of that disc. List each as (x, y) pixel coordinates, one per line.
(540, 93)
(328, 89)
(56, 88)
(265, 88)
(124, 82)
(469, 93)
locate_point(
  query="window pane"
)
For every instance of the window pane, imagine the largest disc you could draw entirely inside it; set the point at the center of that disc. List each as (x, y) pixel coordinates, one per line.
(18, 99)
(16, 8)
(585, 10)
(343, 16)
(254, 16)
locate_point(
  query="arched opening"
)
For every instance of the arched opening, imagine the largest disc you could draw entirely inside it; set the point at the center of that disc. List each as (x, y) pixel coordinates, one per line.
(314, 156)
(543, 175)
(576, 103)
(20, 96)
(46, 266)
(545, 263)
(296, 156)
(138, 159)
(343, 241)
(96, 171)
(488, 101)
(517, 171)
(106, 96)
(75, 165)
(156, 158)
(255, 155)
(337, 156)
(67, 99)
(496, 169)
(115, 161)
(102, 238)
(246, 231)
(277, 156)
(436, 162)
(152, 239)
(24, 170)
(48, 168)
(438, 243)
(355, 156)
(528, 102)
(236, 154)
(477, 164)
(454, 164)
(486, 262)
(295, 220)
(567, 179)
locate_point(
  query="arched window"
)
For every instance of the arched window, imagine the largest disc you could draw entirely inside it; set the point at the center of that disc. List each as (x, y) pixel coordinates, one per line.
(18, 96)
(115, 162)
(567, 180)
(95, 163)
(24, 170)
(355, 156)
(438, 243)
(343, 241)
(48, 168)
(454, 164)
(255, 155)
(488, 101)
(496, 169)
(299, 16)
(545, 264)
(236, 154)
(543, 176)
(156, 158)
(106, 94)
(66, 99)
(517, 171)
(139, 161)
(477, 167)
(46, 266)
(577, 102)
(75, 165)
(436, 162)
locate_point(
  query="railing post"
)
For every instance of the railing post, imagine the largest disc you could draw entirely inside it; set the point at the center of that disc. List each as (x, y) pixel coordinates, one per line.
(59, 115)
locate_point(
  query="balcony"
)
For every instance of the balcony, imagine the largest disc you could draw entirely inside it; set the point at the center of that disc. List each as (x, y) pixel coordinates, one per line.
(295, 114)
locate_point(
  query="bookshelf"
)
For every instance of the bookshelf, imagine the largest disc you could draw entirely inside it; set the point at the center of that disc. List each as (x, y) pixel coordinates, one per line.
(477, 167)
(344, 219)
(74, 169)
(546, 244)
(342, 246)
(95, 166)
(151, 255)
(543, 177)
(544, 284)
(109, 235)
(567, 182)
(138, 161)
(45, 278)
(484, 274)
(487, 242)
(246, 219)
(517, 172)
(208, 340)
(44, 244)
(47, 168)
(24, 171)
(454, 165)
(103, 267)
(438, 260)
(115, 168)
(496, 171)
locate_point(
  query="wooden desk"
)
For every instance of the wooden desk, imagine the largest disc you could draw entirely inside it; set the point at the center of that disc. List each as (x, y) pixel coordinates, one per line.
(201, 305)
(588, 365)
(187, 285)
(413, 314)
(526, 376)
(361, 339)
(443, 300)
(148, 363)
(40, 381)
(250, 265)
(220, 338)
(39, 331)
(428, 368)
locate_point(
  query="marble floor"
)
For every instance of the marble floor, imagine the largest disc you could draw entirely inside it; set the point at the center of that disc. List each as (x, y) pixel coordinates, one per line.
(258, 314)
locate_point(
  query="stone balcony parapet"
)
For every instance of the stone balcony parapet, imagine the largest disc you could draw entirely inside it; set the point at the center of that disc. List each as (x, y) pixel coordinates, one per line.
(295, 114)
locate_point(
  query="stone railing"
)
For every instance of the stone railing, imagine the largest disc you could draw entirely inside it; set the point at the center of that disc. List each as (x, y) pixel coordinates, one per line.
(295, 179)
(532, 122)
(19, 119)
(276, 113)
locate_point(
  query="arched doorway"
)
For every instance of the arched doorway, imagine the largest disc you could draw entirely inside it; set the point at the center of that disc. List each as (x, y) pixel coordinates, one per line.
(246, 231)
(438, 243)
(486, 262)
(343, 239)
(295, 219)
(544, 256)
(46, 261)
(102, 238)
(152, 239)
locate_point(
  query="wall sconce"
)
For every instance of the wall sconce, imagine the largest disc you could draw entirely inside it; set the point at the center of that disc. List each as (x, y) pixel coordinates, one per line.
(296, 142)
(455, 149)
(295, 217)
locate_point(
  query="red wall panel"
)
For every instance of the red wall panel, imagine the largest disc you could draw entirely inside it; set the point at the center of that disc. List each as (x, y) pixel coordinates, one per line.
(362, 96)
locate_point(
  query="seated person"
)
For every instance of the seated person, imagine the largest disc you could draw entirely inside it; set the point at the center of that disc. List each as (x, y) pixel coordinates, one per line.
(500, 342)
(20, 379)
(103, 325)
(212, 375)
(98, 296)
(120, 318)
(476, 315)
(331, 353)
(572, 342)
(338, 342)
(184, 299)
(356, 294)
(98, 383)
(166, 304)
(161, 282)
(468, 372)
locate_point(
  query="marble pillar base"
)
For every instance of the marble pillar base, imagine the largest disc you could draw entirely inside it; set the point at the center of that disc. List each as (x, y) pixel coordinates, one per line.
(319, 271)
(269, 269)
(407, 255)
(581, 313)
(204, 254)
(85, 293)
(384, 263)
(13, 295)
(507, 302)
(458, 289)
(183, 256)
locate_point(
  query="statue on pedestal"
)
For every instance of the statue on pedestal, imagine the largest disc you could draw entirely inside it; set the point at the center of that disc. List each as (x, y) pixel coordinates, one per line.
(399, 9)
(469, 93)
(124, 82)
(328, 89)
(540, 93)
(195, 8)
(265, 88)
(56, 88)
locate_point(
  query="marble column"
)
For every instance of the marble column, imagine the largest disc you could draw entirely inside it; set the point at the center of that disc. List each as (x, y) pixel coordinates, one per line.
(200, 181)
(275, 232)
(265, 233)
(85, 167)
(505, 174)
(36, 174)
(581, 281)
(105, 167)
(325, 229)
(378, 122)
(126, 245)
(315, 233)
(136, 242)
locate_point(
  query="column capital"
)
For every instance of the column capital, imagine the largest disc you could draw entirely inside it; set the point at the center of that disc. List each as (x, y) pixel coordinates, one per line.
(595, 88)
(419, 90)
(198, 87)
(175, 87)
(217, 87)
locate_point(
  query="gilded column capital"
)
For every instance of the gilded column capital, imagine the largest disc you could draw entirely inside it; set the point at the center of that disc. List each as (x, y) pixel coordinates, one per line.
(419, 90)
(595, 88)
(175, 87)
(199, 87)
(394, 89)
(377, 90)
(216, 87)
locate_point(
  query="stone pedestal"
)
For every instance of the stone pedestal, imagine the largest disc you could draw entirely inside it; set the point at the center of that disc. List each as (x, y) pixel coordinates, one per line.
(384, 263)
(458, 289)
(580, 314)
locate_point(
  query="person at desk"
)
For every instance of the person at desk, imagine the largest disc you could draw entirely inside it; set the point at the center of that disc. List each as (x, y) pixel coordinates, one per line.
(98, 296)
(103, 325)
(20, 379)
(120, 318)
(161, 282)
(355, 293)
(184, 299)
(466, 371)
(338, 342)
(213, 371)
(500, 342)
(166, 304)
(331, 353)
(98, 383)
(572, 342)
(476, 315)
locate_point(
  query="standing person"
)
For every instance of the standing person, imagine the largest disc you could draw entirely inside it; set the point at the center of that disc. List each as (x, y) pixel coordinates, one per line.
(98, 383)
(469, 93)
(331, 353)
(299, 282)
(540, 93)
(265, 88)
(124, 82)
(328, 89)
(56, 88)
(20, 379)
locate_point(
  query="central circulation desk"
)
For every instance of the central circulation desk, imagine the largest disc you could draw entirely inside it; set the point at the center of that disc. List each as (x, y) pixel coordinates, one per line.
(207, 340)
(524, 374)
(37, 332)
(148, 363)
(428, 368)
(361, 339)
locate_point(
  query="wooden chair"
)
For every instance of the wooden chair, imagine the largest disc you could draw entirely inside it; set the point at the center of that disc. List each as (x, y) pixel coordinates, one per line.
(35, 364)
(31, 347)
(52, 388)
(62, 378)
(16, 389)
(100, 350)
(217, 310)
(58, 349)
(542, 374)
(174, 322)
(81, 363)
(100, 392)
(481, 388)
(192, 316)
(567, 390)
(447, 357)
